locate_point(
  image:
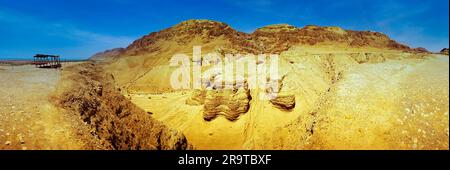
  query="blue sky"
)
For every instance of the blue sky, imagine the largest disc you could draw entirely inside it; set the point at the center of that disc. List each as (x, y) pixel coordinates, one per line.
(79, 28)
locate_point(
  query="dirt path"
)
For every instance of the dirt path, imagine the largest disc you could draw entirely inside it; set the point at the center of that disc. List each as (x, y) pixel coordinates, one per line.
(28, 120)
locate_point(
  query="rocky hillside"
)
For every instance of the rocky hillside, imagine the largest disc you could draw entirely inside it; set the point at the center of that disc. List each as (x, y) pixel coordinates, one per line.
(269, 39)
(147, 57)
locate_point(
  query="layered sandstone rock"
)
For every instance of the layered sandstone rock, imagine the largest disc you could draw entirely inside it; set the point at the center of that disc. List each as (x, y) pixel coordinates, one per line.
(197, 98)
(280, 97)
(226, 102)
(228, 98)
(286, 102)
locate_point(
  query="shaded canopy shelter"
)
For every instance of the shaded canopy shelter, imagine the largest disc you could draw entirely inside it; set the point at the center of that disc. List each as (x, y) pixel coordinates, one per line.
(47, 61)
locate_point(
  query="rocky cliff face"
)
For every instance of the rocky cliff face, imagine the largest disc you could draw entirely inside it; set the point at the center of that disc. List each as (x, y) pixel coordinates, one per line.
(278, 38)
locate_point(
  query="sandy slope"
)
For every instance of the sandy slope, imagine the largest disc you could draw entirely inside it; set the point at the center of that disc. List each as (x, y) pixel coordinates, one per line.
(392, 105)
(393, 100)
(28, 120)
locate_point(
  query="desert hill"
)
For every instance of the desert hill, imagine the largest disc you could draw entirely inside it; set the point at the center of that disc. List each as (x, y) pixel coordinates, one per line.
(158, 47)
(444, 51)
(269, 39)
(341, 89)
(107, 55)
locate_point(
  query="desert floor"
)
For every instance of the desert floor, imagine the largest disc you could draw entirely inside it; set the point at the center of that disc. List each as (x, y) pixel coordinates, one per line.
(28, 120)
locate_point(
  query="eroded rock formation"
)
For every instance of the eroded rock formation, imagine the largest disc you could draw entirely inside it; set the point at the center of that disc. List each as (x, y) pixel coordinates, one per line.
(197, 98)
(226, 102)
(279, 96)
(286, 102)
(222, 98)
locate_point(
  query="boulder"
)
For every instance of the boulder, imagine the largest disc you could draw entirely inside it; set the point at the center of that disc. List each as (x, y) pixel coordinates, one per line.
(284, 102)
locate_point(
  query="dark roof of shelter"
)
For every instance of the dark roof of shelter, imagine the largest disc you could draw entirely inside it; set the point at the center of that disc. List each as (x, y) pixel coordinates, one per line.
(44, 56)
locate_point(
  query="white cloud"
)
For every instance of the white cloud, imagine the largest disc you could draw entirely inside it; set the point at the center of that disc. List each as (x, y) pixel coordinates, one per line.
(88, 42)
(92, 38)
